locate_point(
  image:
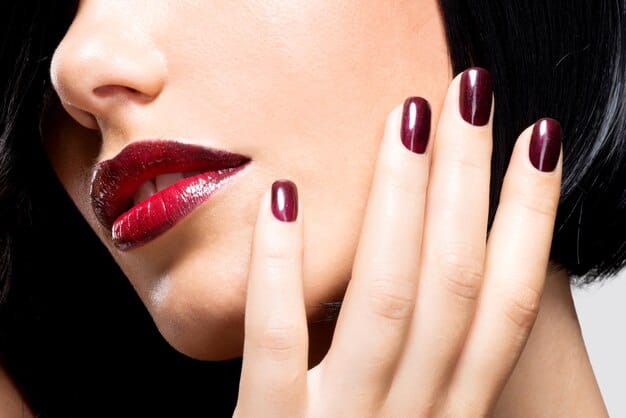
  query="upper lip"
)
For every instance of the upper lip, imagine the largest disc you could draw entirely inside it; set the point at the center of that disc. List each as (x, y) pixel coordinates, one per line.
(115, 181)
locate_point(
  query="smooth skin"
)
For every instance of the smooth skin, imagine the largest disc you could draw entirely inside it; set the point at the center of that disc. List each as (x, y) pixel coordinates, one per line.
(418, 336)
(407, 341)
(303, 87)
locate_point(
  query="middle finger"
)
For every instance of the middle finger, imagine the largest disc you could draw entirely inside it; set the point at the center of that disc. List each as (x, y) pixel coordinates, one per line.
(454, 243)
(379, 301)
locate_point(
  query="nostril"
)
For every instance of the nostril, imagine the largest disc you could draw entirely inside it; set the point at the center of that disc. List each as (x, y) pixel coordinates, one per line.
(118, 90)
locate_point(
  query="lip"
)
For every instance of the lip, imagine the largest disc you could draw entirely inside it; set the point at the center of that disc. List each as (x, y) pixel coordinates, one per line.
(115, 181)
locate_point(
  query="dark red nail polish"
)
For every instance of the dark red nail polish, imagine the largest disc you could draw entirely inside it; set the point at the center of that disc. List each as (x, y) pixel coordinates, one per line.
(285, 200)
(415, 128)
(475, 97)
(545, 144)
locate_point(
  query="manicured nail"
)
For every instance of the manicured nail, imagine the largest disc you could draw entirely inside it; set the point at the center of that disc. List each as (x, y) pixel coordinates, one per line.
(475, 97)
(545, 144)
(415, 128)
(285, 200)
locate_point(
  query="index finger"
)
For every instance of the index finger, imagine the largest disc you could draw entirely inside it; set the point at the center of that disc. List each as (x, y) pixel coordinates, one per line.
(274, 368)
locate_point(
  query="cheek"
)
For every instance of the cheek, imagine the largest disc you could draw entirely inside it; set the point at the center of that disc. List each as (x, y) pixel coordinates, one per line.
(71, 150)
(273, 72)
(304, 88)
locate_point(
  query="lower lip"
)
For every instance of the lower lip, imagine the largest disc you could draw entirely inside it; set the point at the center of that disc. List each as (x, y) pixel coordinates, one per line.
(161, 211)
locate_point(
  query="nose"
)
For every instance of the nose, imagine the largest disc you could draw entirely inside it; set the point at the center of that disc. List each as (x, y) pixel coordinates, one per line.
(102, 67)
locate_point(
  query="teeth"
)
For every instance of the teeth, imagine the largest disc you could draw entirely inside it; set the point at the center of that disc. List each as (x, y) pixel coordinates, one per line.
(166, 180)
(146, 190)
(159, 183)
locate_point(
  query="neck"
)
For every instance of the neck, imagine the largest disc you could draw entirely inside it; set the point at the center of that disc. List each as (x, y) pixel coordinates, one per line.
(553, 376)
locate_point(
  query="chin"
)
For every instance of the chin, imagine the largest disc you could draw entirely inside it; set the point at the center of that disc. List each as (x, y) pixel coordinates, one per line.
(193, 278)
(199, 317)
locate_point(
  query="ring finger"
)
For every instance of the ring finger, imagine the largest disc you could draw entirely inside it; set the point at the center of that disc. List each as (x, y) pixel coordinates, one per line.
(516, 268)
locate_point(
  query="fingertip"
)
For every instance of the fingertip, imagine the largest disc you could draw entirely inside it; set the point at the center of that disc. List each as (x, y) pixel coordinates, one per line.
(528, 183)
(264, 209)
(266, 201)
(415, 124)
(395, 116)
(540, 147)
(392, 124)
(470, 99)
(284, 200)
(545, 145)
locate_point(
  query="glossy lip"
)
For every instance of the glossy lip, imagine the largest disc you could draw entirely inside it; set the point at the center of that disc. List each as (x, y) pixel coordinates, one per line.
(115, 181)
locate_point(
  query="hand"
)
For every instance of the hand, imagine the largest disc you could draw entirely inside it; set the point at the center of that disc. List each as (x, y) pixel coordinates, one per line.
(435, 315)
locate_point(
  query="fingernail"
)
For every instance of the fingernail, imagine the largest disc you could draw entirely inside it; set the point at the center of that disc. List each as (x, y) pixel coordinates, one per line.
(285, 200)
(475, 97)
(415, 128)
(545, 144)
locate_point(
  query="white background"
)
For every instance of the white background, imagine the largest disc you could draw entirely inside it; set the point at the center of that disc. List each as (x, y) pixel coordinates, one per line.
(602, 313)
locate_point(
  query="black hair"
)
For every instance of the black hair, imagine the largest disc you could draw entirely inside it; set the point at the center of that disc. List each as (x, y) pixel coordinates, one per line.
(567, 60)
(563, 59)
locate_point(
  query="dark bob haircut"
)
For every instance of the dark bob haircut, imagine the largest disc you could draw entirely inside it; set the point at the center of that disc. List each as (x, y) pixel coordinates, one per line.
(564, 59)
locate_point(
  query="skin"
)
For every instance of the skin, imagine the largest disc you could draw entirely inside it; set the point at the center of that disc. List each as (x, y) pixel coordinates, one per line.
(311, 92)
(253, 78)
(11, 401)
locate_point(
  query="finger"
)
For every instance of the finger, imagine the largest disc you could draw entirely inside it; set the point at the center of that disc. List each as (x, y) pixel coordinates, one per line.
(274, 368)
(454, 243)
(379, 301)
(517, 259)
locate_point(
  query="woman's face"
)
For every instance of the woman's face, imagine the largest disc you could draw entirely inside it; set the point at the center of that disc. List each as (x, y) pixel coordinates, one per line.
(301, 87)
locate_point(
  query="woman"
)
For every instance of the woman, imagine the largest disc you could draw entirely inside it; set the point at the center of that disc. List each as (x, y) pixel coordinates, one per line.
(410, 149)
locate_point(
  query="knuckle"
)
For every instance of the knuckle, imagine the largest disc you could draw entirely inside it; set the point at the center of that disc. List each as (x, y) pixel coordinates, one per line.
(392, 299)
(278, 261)
(465, 161)
(279, 388)
(522, 307)
(405, 185)
(461, 274)
(540, 205)
(395, 174)
(280, 342)
(417, 408)
(538, 201)
(464, 409)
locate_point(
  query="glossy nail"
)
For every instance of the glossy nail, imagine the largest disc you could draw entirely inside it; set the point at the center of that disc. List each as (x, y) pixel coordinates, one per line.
(415, 128)
(285, 200)
(475, 96)
(545, 144)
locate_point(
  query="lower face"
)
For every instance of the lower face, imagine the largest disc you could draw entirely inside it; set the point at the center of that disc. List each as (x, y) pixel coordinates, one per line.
(301, 87)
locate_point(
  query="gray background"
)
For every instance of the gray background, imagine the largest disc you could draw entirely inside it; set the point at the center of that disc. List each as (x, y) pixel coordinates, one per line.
(601, 310)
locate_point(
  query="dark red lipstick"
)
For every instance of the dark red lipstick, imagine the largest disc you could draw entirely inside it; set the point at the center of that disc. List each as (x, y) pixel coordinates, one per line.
(116, 183)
